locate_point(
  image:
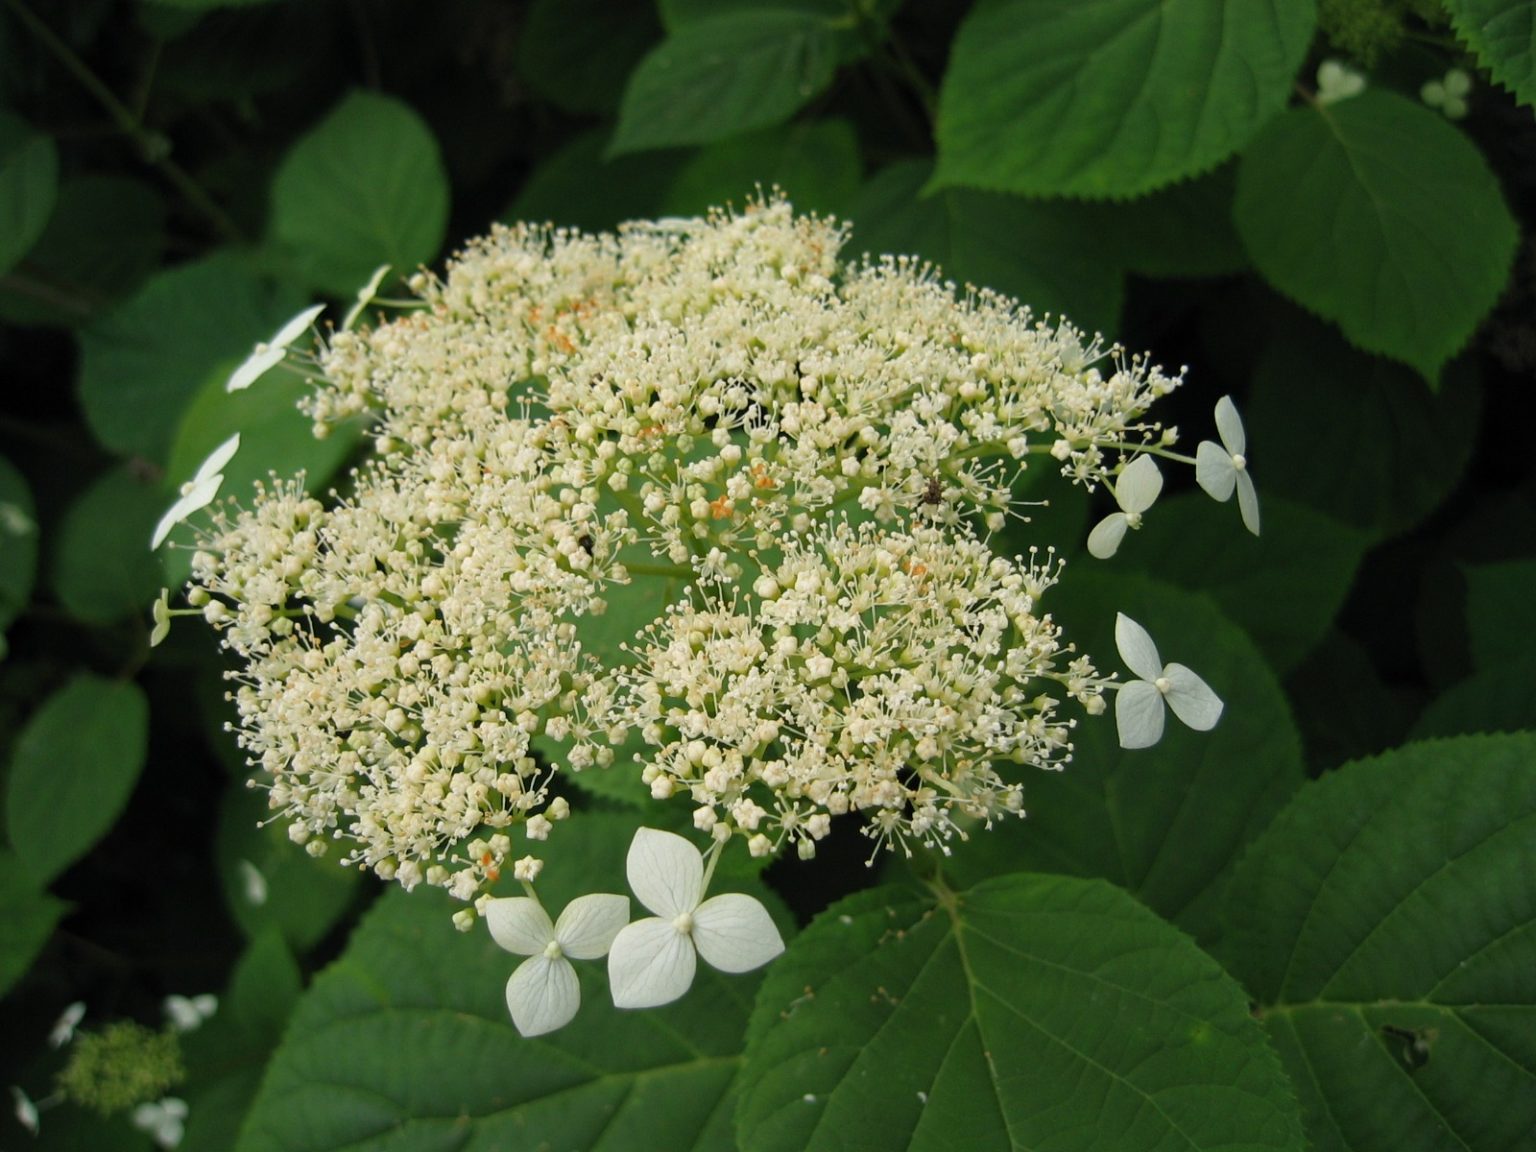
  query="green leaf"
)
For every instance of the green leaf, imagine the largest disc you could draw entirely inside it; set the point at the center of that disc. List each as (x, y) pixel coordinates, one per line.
(1181, 232)
(816, 164)
(1496, 700)
(1386, 923)
(578, 53)
(72, 770)
(18, 532)
(364, 187)
(725, 75)
(1376, 214)
(103, 239)
(1390, 451)
(1166, 823)
(29, 917)
(1501, 611)
(580, 188)
(1284, 587)
(299, 895)
(1343, 707)
(1503, 34)
(29, 184)
(1045, 254)
(1113, 99)
(405, 1042)
(142, 363)
(103, 569)
(1029, 1012)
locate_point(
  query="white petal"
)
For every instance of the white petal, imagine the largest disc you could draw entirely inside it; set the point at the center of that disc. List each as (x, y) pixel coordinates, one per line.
(63, 1030)
(1138, 486)
(220, 456)
(666, 872)
(589, 923)
(650, 963)
(543, 995)
(365, 296)
(519, 924)
(734, 933)
(24, 1110)
(296, 327)
(160, 612)
(1136, 648)
(1229, 426)
(1214, 470)
(1104, 540)
(1139, 714)
(1248, 501)
(200, 496)
(1191, 698)
(262, 360)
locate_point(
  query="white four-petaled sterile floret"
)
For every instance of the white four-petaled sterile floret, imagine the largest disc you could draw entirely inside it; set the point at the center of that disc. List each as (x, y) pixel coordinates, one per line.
(1222, 468)
(543, 993)
(1136, 489)
(1139, 703)
(652, 961)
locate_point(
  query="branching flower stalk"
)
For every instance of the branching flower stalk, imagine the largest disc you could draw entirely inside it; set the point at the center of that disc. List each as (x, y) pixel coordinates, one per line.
(778, 476)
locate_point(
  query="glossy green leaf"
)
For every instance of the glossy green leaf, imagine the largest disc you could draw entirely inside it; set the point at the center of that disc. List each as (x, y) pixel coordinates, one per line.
(103, 569)
(405, 1042)
(29, 184)
(103, 239)
(1503, 34)
(578, 53)
(726, 75)
(580, 188)
(1046, 254)
(141, 364)
(1386, 923)
(1029, 1012)
(1284, 587)
(816, 164)
(1501, 611)
(72, 770)
(366, 186)
(29, 916)
(1113, 99)
(269, 882)
(18, 533)
(1390, 451)
(1376, 214)
(1166, 823)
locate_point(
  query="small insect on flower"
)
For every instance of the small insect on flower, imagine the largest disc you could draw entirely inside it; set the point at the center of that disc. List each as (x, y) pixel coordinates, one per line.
(198, 492)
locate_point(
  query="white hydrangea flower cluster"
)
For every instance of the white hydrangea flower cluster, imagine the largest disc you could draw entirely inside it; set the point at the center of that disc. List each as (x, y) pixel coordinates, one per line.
(817, 454)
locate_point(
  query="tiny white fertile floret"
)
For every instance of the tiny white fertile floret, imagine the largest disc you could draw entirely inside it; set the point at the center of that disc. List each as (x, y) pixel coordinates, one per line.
(165, 1120)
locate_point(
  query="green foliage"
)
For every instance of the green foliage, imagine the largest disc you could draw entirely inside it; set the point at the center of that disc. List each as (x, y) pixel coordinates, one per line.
(1366, 238)
(731, 73)
(1501, 612)
(405, 1041)
(1164, 823)
(1503, 34)
(29, 917)
(29, 184)
(819, 160)
(908, 1017)
(1386, 924)
(1047, 97)
(586, 72)
(1043, 252)
(364, 187)
(114, 517)
(18, 530)
(142, 363)
(72, 770)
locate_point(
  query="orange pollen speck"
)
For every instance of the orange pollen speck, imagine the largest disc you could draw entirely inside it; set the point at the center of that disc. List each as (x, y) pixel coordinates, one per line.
(720, 507)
